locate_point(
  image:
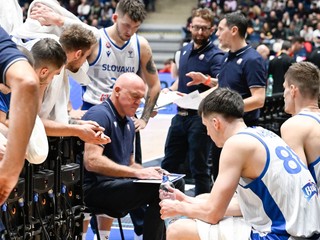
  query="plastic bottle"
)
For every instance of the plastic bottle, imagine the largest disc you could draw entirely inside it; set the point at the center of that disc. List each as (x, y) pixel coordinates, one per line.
(269, 86)
(165, 193)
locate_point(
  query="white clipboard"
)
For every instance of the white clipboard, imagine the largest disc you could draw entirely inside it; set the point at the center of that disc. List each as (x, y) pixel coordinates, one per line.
(172, 178)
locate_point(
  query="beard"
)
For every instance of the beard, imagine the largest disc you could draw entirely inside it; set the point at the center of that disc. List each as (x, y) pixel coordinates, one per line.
(200, 41)
(72, 67)
(123, 38)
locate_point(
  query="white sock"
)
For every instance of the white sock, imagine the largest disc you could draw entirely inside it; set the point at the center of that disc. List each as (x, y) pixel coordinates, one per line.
(104, 234)
(84, 236)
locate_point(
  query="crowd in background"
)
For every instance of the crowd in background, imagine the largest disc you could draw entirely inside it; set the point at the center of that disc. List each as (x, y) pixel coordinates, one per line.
(270, 21)
(97, 13)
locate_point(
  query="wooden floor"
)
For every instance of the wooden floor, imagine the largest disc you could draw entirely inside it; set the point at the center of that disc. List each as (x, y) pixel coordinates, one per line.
(153, 137)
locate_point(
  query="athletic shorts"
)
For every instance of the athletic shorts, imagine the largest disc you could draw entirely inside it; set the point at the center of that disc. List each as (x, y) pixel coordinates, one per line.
(229, 228)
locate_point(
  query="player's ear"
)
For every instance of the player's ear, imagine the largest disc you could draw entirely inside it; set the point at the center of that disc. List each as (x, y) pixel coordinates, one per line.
(114, 17)
(293, 90)
(117, 90)
(212, 29)
(43, 72)
(78, 54)
(234, 30)
(216, 123)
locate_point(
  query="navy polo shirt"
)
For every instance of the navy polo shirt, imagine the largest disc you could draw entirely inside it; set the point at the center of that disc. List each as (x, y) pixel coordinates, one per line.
(9, 53)
(207, 60)
(242, 70)
(120, 130)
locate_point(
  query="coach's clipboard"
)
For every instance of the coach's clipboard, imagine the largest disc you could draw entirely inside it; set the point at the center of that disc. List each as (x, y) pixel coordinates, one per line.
(172, 177)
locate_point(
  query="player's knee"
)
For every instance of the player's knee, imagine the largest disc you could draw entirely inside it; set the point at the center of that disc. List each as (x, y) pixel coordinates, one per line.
(174, 231)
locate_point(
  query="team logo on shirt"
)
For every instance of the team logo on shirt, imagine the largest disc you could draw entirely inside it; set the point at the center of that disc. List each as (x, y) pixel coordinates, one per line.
(309, 190)
(130, 53)
(108, 46)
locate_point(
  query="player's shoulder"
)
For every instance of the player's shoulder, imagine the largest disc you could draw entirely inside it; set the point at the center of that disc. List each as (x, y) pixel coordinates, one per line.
(303, 116)
(143, 41)
(236, 143)
(297, 123)
(145, 49)
(252, 152)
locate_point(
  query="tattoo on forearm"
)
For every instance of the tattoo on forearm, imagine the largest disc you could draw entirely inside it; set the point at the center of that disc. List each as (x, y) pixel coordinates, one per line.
(149, 106)
(151, 68)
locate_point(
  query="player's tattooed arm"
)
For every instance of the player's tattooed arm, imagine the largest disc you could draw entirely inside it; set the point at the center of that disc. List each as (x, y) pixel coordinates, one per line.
(149, 73)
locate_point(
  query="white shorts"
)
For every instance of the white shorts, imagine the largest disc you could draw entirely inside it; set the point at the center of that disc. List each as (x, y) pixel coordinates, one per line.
(229, 228)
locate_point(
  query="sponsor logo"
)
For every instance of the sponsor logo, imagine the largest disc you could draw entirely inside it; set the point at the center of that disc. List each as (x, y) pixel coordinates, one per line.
(309, 190)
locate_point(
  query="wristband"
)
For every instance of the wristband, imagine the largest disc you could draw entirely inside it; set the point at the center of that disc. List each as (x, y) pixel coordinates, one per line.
(208, 81)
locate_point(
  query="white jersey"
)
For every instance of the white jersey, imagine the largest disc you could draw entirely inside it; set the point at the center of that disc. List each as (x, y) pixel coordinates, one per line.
(283, 200)
(110, 63)
(314, 167)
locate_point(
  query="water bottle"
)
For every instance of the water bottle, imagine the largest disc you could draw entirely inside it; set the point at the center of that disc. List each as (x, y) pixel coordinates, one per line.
(165, 193)
(269, 86)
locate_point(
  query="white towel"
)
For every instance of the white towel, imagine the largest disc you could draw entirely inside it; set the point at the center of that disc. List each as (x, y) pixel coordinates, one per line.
(32, 28)
(10, 15)
(38, 147)
(56, 98)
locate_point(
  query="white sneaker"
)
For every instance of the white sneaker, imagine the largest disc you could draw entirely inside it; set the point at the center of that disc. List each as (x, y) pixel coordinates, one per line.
(136, 237)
